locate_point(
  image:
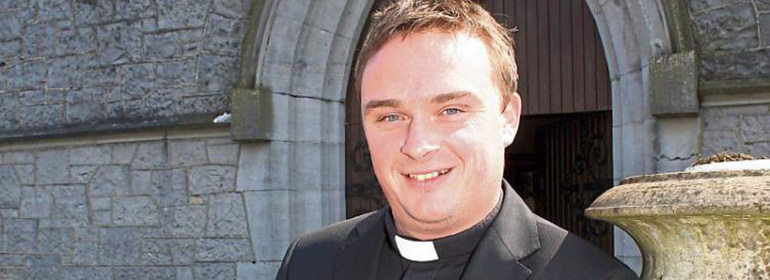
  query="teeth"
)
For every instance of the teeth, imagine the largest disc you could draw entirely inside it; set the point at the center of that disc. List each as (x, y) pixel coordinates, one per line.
(423, 177)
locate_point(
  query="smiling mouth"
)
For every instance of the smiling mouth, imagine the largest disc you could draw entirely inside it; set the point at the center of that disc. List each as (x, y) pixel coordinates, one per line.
(427, 176)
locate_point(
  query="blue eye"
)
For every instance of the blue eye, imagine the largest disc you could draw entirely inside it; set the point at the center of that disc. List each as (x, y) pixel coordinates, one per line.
(451, 111)
(390, 118)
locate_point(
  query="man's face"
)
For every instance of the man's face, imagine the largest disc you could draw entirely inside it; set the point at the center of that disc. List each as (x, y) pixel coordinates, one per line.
(436, 131)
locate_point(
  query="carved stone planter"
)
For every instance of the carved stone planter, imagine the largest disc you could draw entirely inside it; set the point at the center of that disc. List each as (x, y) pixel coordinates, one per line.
(696, 225)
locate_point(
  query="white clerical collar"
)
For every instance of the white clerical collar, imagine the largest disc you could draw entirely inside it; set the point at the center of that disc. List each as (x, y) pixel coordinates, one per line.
(416, 251)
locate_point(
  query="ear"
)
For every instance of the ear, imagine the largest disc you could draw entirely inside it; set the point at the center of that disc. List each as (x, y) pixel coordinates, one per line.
(511, 117)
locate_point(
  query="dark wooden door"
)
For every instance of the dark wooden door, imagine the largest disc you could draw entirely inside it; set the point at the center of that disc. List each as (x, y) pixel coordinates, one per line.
(562, 67)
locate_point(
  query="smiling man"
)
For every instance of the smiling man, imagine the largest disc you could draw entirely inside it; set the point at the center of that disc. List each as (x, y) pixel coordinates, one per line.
(438, 93)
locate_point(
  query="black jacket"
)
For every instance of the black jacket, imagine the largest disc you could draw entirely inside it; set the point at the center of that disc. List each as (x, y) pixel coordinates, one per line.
(519, 245)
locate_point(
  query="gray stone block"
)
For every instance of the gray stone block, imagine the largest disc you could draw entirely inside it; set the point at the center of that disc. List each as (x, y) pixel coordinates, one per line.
(37, 41)
(184, 273)
(144, 273)
(55, 241)
(177, 72)
(29, 74)
(226, 216)
(119, 246)
(264, 166)
(11, 27)
(700, 5)
(184, 221)
(164, 102)
(13, 273)
(68, 72)
(230, 8)
(41, 116)
(70, 206)
(223, 154)
(87, 234)
(87, 273)
(9, 213)
(168, 252)
(224, 35)
(729, 28)
(268, 215)
(82, 174)
(94, 12)
(85, 254)
(105, 77)
(13, 4)
(84, 106)
(136, 9)
(135, 211)
(52, 167)
(19, 157)
(719, 141)
(103, 218)
(138, 81)
(762, 5)
(36, 202)
(205, 104)
(20, 235)
(150, 155)
(308, 123)
(223, 250)
(75, 41)
(111, 180)
(141, 182)
(34, 97)
(755, 128)
(101, 203)
(163, 45)
(181, 14)
(11, 260)
(119, 42)
(10, 187)
(123, 153)
(674, 85)
(187, 153)
(169, 187)
(91, 155)
(212, 179)
(44, 273)
(10, 49)
(217, 73)
(215, 271)
(54, 10)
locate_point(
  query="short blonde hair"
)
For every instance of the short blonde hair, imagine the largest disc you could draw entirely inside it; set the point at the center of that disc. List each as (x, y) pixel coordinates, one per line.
(405, 17)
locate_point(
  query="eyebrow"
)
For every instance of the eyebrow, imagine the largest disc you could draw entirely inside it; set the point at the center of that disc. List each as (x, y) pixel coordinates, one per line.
(393, 103)
(444, 97)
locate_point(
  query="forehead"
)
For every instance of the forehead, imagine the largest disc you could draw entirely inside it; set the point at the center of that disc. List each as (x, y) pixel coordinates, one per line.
(433, 62)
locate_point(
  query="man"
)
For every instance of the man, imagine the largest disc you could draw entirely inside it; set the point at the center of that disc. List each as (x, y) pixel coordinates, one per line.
(437, 80)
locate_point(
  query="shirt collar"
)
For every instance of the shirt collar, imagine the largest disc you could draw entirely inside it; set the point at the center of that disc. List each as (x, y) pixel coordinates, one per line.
(463, 243)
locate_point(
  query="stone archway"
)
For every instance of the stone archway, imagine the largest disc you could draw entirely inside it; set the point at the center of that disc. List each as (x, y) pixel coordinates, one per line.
(303, 51)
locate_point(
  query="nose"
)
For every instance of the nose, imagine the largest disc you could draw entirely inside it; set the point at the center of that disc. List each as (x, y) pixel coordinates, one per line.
(421, 140)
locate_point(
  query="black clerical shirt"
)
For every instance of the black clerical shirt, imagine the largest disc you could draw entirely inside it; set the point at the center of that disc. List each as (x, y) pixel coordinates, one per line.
(453, 253)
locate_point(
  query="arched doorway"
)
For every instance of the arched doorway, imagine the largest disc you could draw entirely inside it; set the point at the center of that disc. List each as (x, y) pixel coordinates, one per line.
(562, 158)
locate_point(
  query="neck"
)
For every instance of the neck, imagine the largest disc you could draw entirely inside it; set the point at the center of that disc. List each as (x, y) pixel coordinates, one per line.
(410, 227)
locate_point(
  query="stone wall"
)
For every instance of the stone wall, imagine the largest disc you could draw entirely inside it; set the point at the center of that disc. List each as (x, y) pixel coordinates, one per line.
(77, 66)
(150, 209)
(743, 129)
(733, 38)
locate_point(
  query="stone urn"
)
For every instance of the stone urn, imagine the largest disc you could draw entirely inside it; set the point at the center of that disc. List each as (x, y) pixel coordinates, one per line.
(710, 222)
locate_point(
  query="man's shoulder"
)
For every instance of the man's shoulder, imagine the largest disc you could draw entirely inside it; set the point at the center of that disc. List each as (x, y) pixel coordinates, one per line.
(565, 251)
(313, 255)
(331, 239)
(334, 235)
